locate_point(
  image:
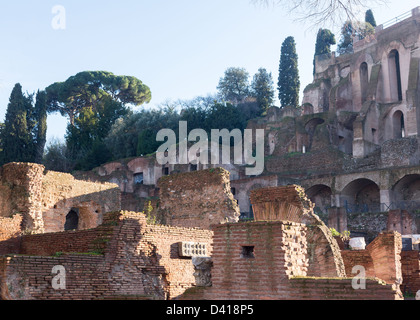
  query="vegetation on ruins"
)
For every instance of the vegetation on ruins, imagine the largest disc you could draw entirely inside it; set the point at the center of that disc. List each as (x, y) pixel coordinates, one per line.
(354, 28)
(324, 40)
(23, 135)
(289, 83)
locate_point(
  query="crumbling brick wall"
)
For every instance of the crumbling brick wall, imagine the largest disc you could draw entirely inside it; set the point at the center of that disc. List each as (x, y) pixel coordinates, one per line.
(123, 257)
(279, 251)
(381, 258)
(45, 198)
(277, 270)
(10, 227)
(410, 268)
(385, 251)
(290, 203)
(197, 199)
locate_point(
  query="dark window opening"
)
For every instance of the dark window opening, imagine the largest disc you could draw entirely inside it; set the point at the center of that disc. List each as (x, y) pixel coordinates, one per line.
(72, 220)
(193, 167)
(233, 190)
(139, 178)
(165, 171)
(395, 76)
(364, 81)
(399, 125)
(248, 252)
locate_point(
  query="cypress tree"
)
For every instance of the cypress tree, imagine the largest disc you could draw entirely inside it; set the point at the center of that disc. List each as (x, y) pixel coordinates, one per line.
(16, 139)
(40, 130)
(289, 83)
(369, 18)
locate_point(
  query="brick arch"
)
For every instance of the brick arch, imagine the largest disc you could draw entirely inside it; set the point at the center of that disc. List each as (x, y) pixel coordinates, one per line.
(363, 193)
(320, 195)
(407, 188)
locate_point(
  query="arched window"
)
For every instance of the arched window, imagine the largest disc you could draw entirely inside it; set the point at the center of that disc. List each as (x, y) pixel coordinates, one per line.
(364, 81)
(72, 220)
(395, 76)
(398, 125)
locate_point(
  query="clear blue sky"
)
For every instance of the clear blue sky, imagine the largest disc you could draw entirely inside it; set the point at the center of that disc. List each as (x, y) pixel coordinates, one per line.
(179, 48)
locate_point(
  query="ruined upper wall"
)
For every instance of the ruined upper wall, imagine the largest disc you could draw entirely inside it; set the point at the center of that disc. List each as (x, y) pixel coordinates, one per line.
(197, 199)
(45, 198)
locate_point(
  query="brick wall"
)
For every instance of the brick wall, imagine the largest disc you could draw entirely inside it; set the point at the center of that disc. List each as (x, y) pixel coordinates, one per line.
(385, 252)
(122, 258)
(381, 258)
(279, 252)
(10, 227)
(410, 268)
(290, 203)
(278, 270)
(341, 289)
(197, 199)
(45, 198)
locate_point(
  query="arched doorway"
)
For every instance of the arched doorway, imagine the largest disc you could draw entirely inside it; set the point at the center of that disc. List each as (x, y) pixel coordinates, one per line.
(361, 195)
(72, 220)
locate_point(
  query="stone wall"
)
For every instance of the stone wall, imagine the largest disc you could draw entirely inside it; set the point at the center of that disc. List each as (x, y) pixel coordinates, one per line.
(124, 257)
(277, 268)
(45, 198)
(197, 199)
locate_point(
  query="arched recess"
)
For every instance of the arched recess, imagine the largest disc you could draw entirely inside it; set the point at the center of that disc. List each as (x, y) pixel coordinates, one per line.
(308, 108)
(320, 195)
(398, 125)
(72, 220)
(361, 195)
(394, 68)
(364, 81)
(407, 189)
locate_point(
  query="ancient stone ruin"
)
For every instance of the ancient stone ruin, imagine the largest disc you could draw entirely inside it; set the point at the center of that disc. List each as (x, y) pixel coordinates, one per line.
(341, 171)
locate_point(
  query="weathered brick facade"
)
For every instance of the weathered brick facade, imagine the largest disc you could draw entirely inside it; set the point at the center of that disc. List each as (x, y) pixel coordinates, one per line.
(278, 269)
(197, 199)
(122, 258)
(44, 198)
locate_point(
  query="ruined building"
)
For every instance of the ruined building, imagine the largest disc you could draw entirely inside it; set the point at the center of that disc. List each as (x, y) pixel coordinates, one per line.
(349, 159)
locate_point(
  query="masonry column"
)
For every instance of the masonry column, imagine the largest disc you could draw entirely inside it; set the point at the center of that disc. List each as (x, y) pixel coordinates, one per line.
(385, 199)
(25, 179)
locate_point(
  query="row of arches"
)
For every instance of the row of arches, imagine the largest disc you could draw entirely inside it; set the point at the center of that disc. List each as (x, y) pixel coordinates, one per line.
(364, 195)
